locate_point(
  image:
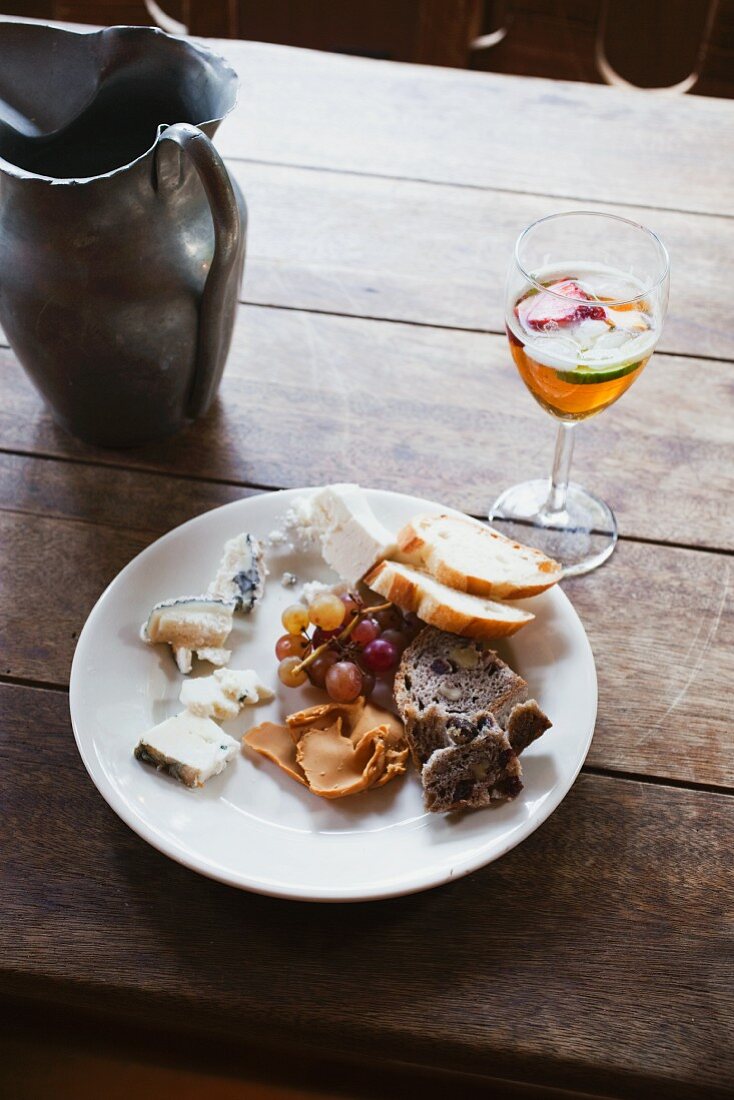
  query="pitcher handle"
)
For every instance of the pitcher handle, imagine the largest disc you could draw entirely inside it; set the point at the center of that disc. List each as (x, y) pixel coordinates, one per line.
(212, 330)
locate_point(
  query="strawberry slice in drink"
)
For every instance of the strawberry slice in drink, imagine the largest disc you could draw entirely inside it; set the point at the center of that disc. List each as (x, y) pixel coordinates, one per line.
(561, 304)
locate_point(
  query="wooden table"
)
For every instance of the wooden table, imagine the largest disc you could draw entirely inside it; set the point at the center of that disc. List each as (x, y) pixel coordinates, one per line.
(597, 957)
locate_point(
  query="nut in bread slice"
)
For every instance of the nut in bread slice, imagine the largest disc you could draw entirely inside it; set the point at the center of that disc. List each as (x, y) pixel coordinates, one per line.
(471, 772)
(444, 607)
(468, 555)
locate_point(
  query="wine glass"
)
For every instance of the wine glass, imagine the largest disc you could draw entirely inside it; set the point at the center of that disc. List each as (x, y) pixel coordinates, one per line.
(585, 303)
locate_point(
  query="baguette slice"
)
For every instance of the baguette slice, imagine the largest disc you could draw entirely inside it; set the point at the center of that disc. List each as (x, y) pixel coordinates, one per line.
(469, 556)
(438, 605)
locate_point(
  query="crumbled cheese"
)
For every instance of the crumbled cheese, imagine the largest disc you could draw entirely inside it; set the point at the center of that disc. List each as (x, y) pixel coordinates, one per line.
(312, 589)
(215, 655)
(288, 580)
(222, 694)
(299, 524)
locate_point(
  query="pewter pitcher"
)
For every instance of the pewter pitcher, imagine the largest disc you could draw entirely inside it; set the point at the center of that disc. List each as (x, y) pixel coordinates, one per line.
(122, 236)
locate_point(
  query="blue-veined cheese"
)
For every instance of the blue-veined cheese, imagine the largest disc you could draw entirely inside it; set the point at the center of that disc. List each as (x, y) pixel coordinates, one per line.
(241, 574)
(222, 694)
(190, 748)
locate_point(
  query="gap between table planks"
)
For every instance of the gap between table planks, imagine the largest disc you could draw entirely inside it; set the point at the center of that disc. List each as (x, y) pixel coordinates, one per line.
(438, 255)
(660, 619)
(628, 879)
(523, 134)
(309, 398)
(356, 246)
(305, 108)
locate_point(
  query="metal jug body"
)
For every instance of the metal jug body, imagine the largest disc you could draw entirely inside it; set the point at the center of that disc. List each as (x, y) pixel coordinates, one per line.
(118, 277)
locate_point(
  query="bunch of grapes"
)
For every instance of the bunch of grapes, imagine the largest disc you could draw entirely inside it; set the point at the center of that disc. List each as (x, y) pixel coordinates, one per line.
(351, 644)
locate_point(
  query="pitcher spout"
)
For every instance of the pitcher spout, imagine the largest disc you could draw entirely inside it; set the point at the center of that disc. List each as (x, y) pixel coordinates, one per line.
(75, 106)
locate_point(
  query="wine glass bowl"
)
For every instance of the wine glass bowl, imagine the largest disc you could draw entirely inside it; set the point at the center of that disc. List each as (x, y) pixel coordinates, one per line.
(585, 301)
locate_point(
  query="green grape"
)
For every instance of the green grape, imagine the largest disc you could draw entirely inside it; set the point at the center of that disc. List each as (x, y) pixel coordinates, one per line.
(295, 618)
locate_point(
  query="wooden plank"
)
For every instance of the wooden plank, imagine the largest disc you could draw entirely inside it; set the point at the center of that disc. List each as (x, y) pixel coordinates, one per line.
(567, 139)
(114, 498)
(661, 625)
(86, 1058)
(357, 245)
(578, 960)
(563, 138)
(70, 563)
(660, 622)
(311, 399)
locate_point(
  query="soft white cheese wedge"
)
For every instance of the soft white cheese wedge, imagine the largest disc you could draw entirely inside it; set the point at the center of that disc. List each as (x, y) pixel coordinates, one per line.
(352, 538)
(190, 748)
(241, 574)
(222, 694)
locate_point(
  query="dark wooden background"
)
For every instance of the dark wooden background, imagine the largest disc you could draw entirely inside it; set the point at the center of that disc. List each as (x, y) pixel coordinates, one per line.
(651, 43)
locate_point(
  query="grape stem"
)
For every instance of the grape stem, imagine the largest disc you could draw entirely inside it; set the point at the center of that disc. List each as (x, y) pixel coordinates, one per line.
(340, 637)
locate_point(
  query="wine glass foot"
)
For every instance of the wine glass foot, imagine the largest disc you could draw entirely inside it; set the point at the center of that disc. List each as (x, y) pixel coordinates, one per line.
(580, 537)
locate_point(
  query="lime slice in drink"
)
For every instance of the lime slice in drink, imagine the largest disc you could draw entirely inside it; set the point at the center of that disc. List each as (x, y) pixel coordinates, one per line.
(584, 376)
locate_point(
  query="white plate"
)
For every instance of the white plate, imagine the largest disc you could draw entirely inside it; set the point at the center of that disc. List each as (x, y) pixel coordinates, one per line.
(252, 826)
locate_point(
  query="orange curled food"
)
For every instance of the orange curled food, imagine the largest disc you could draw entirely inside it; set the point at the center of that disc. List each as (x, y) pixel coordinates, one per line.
(335, 749)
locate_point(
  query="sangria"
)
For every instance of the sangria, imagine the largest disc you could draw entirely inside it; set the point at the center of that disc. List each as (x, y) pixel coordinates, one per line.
(581, 330)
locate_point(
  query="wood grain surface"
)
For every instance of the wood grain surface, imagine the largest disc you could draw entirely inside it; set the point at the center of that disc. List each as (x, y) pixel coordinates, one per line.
(568, 140)
(598, 951)
(384, 201)
(328, 241)
(660, 620)
(114, 497)
(311, 399)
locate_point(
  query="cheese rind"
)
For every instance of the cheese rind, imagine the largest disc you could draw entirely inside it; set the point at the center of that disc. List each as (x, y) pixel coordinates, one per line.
(188, 624)
(190, 748)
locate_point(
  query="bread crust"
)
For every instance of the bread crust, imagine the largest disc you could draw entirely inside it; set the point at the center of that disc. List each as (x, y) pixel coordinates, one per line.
(407, 594)
(413, 544)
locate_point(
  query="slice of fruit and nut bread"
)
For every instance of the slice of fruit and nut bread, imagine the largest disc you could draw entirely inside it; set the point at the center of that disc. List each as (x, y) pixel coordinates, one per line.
(459, 679)
(477, 767)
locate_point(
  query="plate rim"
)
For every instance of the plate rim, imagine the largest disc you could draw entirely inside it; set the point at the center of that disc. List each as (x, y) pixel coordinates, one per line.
(418, 882)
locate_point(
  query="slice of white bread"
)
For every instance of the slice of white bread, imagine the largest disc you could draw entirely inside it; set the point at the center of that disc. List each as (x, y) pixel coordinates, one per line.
(444, 607)
(469, 556)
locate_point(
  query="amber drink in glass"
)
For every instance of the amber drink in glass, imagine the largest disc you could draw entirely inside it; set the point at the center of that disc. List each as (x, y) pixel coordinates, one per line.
(586, 298)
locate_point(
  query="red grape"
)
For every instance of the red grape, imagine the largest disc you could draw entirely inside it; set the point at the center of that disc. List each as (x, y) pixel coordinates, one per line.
(412, 624)
(368, 682)
(291, 645)
(350, 602)
(380, 655)
(365, 631)
(389, 619)
(320, 666)
(320, 636)
(396, 638)
(344, 682)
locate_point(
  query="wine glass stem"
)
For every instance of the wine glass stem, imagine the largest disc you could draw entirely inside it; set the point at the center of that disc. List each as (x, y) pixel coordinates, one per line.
(556, 501)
